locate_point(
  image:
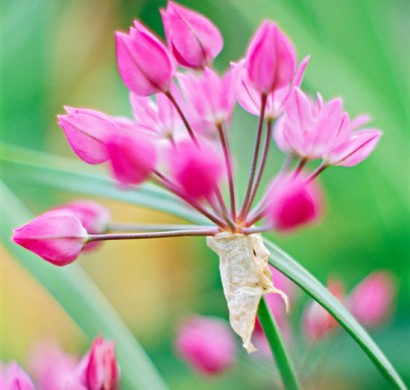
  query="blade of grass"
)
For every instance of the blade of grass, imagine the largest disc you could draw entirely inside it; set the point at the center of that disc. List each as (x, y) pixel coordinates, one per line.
(81, 299)
(277, 347)
(294, 271)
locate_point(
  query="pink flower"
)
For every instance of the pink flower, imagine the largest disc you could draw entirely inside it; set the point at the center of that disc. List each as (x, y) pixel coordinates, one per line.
(144, 63)
(250, 99)
(132, 158)
(317, 322)
(53, 369)
(12, 377)
(270, 59)
(212, 97)
(93, 217)
(206, 344)
(320, 129)
(192, 38)
(371, 301)
(56, 236)
(87, 131)
(292, 202)
(197, 170)
(102, 371)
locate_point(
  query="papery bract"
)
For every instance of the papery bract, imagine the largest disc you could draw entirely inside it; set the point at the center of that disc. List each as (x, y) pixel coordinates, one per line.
(318, 323)
(292, 202)
(132, 158)
(270, 59)
(144, 63)
(192, 38)
(207, 344)
(12, 377)
(371, 300)
(56, 236)
(87, 131)
(197, 170)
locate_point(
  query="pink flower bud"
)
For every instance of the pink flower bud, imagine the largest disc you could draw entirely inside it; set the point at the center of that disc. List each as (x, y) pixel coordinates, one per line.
(197, 170)
(144, 63)
(317, 322)
(193, 39)
(102, 371)
(271, 59)
(371, 301)
(87, 132)
(56, 236)
(93, 217)
(292, 203)
(12, 377)
(206, 344)
(132, 159)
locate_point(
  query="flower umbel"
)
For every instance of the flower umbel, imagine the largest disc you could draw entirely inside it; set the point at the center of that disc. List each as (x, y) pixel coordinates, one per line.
(180, 139)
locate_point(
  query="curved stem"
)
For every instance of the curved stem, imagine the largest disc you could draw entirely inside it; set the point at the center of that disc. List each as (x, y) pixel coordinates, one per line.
(255, 158)
(164, 234)
(171, 98)
(131, 227)
(261, 165)
(299, 168)
(229, 170)
(277, 347)
(316, 172)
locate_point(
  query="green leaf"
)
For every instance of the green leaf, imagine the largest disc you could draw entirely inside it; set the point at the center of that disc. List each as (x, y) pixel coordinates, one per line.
(277, 346)
(27, 166)
(81, 299)
(294, 271)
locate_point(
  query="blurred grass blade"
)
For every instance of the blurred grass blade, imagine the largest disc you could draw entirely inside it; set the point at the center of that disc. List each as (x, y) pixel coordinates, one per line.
(81, 299)
(24, 165)
(294, 271)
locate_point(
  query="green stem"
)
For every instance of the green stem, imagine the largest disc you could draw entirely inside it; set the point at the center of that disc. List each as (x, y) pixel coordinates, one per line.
(277, 347)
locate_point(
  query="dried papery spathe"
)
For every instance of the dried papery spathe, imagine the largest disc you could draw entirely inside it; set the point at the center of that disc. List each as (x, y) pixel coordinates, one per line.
(243, 263)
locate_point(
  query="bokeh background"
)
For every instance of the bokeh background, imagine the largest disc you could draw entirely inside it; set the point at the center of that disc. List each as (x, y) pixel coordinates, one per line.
(61, 52)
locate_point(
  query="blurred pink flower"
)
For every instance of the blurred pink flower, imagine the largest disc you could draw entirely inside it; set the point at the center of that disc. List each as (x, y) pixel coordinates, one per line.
(192, 38)
(12, 377)
(372, 299)
(144, 63)
(292, 202)
(318, 323)
(206, 344)
(197, 170)
(87, 132)
(57, 236)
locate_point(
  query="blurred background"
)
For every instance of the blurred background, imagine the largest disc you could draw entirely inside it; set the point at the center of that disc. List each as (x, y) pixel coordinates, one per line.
(61, 52)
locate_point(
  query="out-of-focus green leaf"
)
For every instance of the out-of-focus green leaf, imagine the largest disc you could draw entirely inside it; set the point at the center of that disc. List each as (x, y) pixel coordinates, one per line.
(294, 271)
(81, 299)
(24, 165)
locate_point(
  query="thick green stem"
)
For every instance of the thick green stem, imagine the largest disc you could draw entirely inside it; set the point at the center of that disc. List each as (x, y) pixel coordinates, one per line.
(277, 347)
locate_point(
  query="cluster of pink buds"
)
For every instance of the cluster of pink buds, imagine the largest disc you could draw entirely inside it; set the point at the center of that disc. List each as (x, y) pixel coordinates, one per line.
(54, 369)
(179, 137)
(370, 302)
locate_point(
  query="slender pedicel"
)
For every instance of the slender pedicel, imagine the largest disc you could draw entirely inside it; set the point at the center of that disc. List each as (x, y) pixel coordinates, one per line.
(262, 164)
(165, 182)
(225, 211)
(169, 233)
(255, 158)
(317, 172)
(130, 227)
(229, 170)
(299, 168)
(171, 98)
